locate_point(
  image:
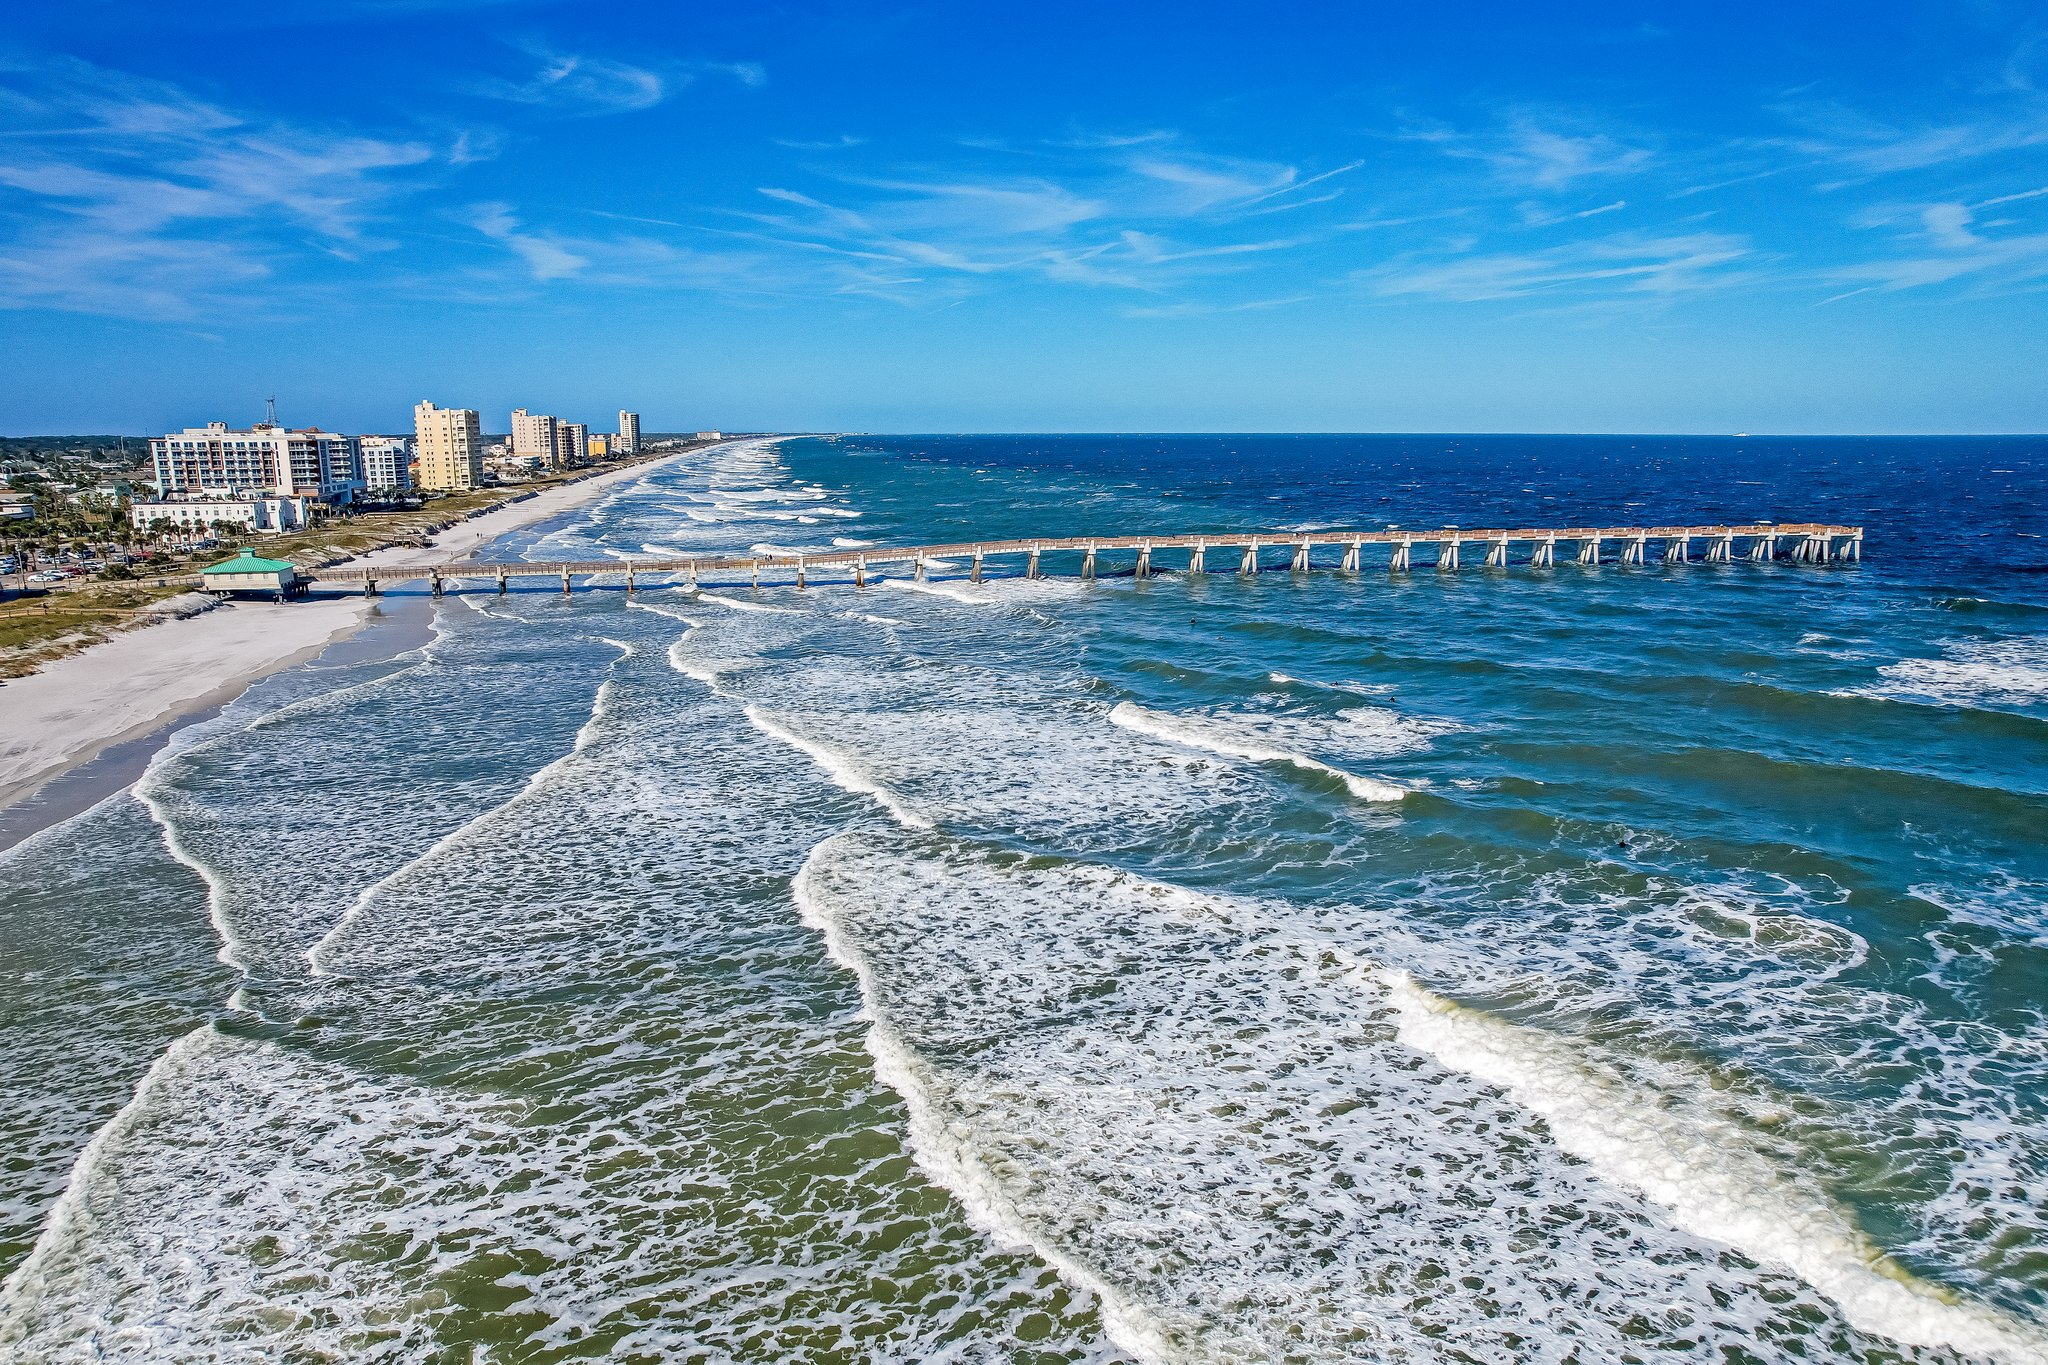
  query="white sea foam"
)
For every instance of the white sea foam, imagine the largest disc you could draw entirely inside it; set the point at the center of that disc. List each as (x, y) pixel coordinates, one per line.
(845, 772)
(966, 594)
(1708, 1172)
(1221, 1116)
(741, 604)
(1235, 738)
(1981, 673)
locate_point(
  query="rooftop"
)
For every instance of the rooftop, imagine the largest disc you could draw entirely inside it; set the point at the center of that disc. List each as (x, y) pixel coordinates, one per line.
(248, 561)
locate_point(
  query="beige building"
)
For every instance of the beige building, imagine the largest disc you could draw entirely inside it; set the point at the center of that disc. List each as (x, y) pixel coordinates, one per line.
(572, 442)
(450, 448)
(629, 433)
(533, 433)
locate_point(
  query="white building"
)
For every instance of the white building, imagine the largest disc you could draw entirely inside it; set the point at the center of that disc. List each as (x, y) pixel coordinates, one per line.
(197, 515)
(386, 461)
(263, 459)
(629, 434)
(450, 447)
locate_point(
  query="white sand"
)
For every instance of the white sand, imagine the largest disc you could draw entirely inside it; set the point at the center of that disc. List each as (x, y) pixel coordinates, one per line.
(141, 680)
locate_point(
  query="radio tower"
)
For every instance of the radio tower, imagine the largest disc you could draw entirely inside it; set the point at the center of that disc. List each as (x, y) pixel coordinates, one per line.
(270, 410)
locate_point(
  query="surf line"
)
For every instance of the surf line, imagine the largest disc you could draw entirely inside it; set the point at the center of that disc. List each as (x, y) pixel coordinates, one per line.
(1147, 1334)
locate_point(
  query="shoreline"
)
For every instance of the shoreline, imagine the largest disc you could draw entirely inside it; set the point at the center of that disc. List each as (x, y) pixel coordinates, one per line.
(145, 684)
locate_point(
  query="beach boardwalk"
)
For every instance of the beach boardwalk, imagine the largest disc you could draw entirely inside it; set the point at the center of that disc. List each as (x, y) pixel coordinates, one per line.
(250, 573)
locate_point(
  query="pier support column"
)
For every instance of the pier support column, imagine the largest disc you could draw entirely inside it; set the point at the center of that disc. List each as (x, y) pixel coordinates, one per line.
(1250, 563)
(800, 572)
(1144, 561)
(501, 582)
(1589, 550)
(1404, 555)
(629, 580)
(1088, 564)
(1762, 548)
(1856, 547)
(1546, 553)
(370, 587)
(1031, 563)
(1633, 552)
(860, 571)
(977, 564)
(1678, 549)
(917, 571)
(1198, 558)
(1497, 554)
(1301, 549)
(693, 572)
(1722, 551)
(565, 580)
(1351, 555)
(1447, 553)
(437, 585)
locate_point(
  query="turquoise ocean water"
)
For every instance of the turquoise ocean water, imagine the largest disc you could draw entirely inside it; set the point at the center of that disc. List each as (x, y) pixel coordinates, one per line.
(1550, 965)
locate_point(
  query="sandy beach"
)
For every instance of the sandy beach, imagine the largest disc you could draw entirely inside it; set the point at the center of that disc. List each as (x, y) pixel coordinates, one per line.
(142, 680)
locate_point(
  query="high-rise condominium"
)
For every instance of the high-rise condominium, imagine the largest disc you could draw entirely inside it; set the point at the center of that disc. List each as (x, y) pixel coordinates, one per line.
(629, 433)
(533, 434)
(450, 447)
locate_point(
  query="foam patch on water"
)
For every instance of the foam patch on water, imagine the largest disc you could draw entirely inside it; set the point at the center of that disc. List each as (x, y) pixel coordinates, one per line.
(1985, 673)
(1236, 737)
(846, 772)
(1707, 1171)
(1223, 1120)
(741, 604)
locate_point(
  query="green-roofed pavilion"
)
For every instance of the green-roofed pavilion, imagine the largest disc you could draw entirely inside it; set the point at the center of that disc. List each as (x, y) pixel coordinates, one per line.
(251, 573)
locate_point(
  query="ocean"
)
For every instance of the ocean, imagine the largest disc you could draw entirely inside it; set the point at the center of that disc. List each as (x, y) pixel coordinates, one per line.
(1578, 964)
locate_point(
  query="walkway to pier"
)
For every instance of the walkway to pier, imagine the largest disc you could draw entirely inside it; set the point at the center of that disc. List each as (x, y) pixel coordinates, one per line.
(1210, 552)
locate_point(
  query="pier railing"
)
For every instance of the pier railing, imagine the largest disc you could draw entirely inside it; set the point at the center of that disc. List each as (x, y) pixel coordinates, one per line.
(1245, 552)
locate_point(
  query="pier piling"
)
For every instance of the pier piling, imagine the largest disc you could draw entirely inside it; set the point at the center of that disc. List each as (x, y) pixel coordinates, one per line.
(1793, 542)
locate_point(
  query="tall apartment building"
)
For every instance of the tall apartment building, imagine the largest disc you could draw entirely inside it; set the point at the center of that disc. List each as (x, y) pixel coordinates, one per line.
(629, 434)
(450, 446)
(533, 433)
(386, 461)
(214, 460)
(572, 441)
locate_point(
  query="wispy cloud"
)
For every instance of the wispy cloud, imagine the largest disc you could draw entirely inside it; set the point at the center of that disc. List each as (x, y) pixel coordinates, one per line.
(1542, 158)
(1659, 267)
(1944, 243)
(582, 85)
(149, 197)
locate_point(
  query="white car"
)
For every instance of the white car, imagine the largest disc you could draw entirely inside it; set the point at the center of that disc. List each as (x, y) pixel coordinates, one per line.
(46, 578)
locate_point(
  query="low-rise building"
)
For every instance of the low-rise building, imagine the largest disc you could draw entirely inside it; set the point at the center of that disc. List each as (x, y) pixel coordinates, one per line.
(203, 516)
(17, 507)
(711, 436)
(599, 446)
(250, 573)
(387, 461)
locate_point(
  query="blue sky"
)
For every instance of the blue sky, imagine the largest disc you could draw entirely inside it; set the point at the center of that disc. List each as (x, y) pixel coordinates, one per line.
(1055, 216)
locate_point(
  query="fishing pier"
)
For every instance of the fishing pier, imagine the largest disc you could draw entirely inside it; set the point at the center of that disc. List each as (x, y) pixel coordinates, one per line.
(1393, 550)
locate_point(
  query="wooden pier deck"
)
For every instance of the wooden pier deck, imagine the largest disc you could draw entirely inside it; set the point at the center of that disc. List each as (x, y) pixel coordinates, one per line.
(1245, 552)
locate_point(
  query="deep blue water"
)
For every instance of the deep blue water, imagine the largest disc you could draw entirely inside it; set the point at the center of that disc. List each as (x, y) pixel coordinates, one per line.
(1572, 964)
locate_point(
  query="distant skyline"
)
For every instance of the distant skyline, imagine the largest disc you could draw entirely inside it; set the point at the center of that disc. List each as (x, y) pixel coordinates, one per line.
(1054, 217)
